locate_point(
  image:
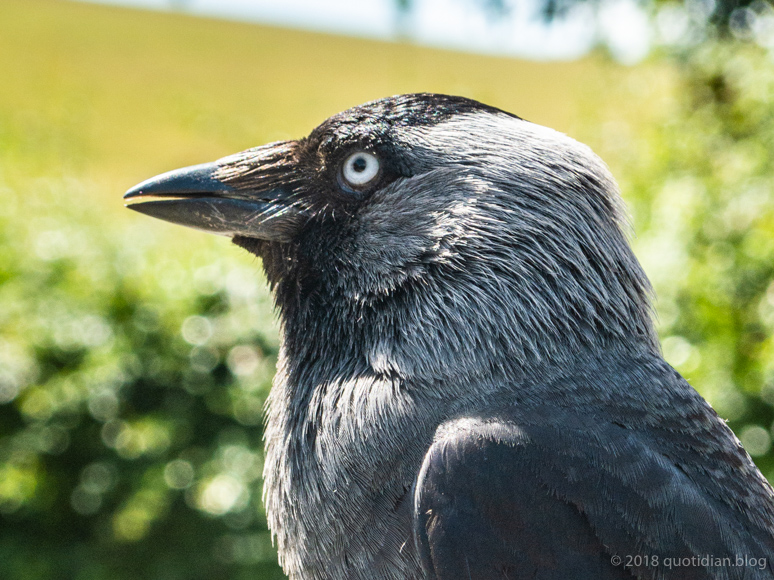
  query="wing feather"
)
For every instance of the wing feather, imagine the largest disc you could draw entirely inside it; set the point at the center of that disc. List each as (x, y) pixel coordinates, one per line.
(575, 497)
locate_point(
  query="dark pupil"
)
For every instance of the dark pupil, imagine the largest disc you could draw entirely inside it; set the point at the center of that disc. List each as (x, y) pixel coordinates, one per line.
(359, 164)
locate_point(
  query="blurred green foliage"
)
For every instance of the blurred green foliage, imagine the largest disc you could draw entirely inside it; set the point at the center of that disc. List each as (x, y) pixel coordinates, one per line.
(131, 396)
(135, 356)
(699, 182)
(701, 186)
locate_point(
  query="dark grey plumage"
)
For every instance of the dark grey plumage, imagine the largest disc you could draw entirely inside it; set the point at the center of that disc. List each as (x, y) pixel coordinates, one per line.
(470, 384)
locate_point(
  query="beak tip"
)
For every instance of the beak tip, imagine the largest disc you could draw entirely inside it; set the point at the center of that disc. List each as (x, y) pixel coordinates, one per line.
(188, 180)
(133, 192)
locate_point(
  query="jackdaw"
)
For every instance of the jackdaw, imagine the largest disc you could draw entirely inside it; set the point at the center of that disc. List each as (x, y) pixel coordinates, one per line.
(470, 384)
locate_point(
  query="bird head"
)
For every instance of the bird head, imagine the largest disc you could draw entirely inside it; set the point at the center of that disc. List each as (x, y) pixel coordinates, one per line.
(429, 220)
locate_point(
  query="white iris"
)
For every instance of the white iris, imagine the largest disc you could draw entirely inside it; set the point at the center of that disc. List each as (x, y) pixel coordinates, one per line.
(360, 168)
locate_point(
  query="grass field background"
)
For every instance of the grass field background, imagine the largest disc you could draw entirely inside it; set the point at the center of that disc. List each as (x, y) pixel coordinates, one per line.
(110, 96)
(115, 94)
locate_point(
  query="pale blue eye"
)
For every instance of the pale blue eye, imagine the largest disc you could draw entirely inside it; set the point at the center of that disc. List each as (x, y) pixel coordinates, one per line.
(360, 168)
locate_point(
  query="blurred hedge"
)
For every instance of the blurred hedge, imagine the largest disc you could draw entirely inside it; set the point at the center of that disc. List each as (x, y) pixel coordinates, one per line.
(130, 400)
(701, 187)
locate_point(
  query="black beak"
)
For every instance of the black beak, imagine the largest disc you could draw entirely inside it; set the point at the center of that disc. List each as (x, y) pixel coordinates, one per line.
(196, 198)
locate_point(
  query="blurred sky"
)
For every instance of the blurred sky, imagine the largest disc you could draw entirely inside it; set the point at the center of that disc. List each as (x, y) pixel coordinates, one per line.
(457, 24)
